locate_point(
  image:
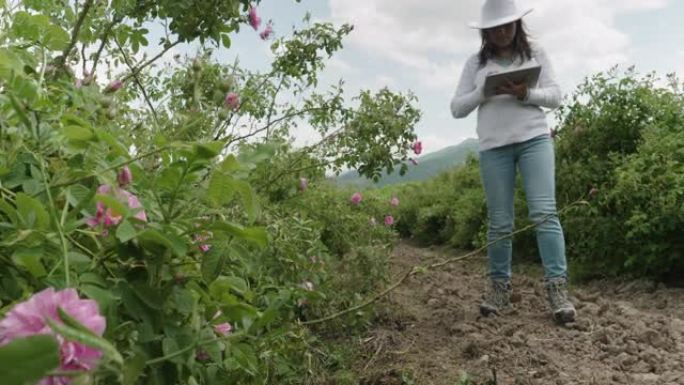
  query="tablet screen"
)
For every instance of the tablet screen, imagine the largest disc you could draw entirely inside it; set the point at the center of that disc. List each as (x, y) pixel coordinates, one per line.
(528, 75)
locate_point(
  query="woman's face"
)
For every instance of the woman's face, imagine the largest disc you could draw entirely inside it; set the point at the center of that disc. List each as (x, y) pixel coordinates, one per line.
(501, 36)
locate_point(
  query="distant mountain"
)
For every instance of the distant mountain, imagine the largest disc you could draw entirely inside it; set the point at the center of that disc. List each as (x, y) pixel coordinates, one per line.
(429, 165)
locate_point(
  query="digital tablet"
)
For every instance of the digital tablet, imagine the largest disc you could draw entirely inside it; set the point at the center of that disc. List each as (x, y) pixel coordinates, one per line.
(528, 75)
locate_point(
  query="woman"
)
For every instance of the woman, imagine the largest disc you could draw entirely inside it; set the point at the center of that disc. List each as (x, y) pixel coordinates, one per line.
(512, 131)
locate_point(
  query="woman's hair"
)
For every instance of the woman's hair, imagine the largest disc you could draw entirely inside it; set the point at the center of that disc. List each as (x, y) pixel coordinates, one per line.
(521, 45)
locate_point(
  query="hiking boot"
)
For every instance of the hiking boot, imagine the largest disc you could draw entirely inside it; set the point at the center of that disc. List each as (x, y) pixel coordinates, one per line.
(557, 291)
(497, 297)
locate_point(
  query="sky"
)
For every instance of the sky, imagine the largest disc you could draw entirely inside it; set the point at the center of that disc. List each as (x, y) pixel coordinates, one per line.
(421, 46)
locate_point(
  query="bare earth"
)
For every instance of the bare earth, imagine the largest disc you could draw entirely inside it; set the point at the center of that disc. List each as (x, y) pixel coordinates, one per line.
(430, 332)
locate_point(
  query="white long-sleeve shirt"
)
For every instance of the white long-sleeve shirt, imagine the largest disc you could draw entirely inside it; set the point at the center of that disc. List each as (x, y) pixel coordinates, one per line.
(503, 119)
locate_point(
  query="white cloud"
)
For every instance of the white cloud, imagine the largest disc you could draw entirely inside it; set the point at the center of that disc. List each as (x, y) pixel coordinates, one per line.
(382, 81)
(339, 66)
(432, 38)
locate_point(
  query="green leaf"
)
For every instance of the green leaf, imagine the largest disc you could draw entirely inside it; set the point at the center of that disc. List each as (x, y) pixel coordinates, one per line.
(27, 360)
(230, 164)
(74, 331)
(150, 296)
(104, 297)
(9, 211)
(31, 212)
(236, 285)
(249, 199)
(73, 120)
(170, 346)
(212, 264)
(24, 26)
(209, 150)
(79, 261)
(262, 152)
(30, 259)
(213, 348)
(21, 111)
(221, 189)
(77, 193)
(242, 356)
(134, 367)
(125, 232)
(172, 242)
(225, 40)
(10, 63)
(116, 147)
(93, 279)
(77, 133)
(56, 38)
(184, 300)
(256, 235)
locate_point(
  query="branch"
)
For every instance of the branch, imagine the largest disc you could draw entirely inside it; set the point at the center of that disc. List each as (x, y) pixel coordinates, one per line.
(270, 109)
(74, 34)
(221, 126)
(137, 70)
(83, 57)
(417, 268)
(105, 36)
(137, 81)
(116, 166)
(274, 122)
(302, 152)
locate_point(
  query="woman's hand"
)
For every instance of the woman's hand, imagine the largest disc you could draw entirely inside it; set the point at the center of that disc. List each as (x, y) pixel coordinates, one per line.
(518, 90)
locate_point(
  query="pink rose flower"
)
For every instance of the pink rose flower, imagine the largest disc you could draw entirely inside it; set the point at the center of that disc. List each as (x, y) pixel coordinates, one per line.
(389, 220)
(417, 147)
(28, 319)
(106, 216)
(267, 32)
(202, 238)
(124, 177)
(254, 19)
(202, 355)
(356, 198)
(114, 86)
(223, 329)
(232, 101)
(394, 201)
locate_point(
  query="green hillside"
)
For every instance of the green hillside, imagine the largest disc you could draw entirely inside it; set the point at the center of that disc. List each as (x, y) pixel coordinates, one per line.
(428, 166)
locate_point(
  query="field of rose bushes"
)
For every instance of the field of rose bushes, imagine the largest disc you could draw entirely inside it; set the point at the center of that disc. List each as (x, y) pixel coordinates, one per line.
(157, 226)
(619, 147)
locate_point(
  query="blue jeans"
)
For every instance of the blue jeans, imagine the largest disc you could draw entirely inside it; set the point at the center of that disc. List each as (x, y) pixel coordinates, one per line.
(536, 161)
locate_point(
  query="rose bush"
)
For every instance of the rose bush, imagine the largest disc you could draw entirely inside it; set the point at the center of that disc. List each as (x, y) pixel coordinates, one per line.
(171, 196)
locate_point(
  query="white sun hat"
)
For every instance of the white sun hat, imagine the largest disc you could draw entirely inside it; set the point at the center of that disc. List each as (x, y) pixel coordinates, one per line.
(499, 12)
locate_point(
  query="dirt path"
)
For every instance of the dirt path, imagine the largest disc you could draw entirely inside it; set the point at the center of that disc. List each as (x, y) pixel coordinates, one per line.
(429, 332)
